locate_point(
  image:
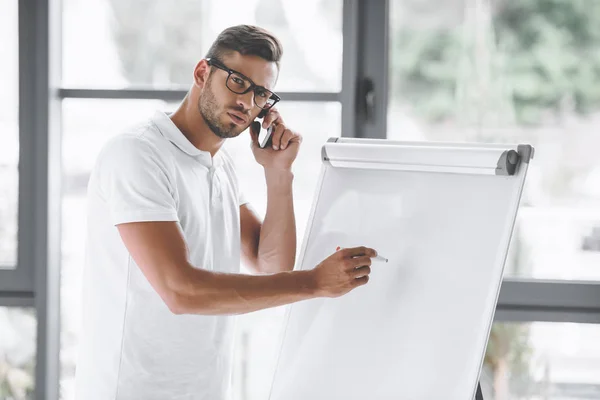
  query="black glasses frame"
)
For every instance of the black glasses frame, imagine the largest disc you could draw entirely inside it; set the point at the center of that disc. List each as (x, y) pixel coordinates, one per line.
(253, 86)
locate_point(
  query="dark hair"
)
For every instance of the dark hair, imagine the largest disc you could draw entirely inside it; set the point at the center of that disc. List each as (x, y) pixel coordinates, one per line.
(247, 40)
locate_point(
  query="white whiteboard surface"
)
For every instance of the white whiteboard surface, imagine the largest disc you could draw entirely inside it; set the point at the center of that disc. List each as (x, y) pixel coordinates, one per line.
(419, 328)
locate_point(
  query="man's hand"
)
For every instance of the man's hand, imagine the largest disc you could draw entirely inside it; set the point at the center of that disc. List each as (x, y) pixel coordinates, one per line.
(285, 143)
(343, 271)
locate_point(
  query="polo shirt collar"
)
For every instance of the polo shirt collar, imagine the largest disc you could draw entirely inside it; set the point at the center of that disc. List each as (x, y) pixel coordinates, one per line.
(171, 132)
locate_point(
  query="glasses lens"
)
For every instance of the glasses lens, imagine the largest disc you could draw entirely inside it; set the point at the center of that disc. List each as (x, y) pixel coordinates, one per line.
(237, 83)
(262, 97)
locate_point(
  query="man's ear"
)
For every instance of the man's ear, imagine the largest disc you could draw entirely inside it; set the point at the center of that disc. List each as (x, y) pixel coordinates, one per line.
(201, 73)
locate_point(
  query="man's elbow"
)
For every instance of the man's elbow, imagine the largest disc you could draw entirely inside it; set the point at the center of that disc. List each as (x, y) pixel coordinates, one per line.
(176, 295)
(175, 302)
(180, 304)
(191, 293)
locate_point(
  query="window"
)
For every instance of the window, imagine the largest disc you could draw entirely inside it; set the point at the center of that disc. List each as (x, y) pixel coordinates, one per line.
(9, 131)
(17, 352)
(542, 360)
(153, 44)
(492, 71)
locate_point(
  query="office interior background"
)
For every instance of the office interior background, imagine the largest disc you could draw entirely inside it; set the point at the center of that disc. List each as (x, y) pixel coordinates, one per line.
(74, 73)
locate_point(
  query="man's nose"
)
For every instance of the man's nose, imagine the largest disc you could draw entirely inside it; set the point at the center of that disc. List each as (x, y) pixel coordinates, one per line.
(246, 100)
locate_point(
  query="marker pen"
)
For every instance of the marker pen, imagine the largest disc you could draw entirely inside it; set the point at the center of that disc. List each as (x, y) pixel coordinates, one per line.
(377, 257)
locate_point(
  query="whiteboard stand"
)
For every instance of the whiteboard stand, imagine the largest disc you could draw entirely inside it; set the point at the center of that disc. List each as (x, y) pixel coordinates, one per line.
(479, 395)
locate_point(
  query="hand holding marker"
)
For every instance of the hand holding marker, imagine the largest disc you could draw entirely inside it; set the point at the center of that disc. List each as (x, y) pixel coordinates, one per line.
(377, 257)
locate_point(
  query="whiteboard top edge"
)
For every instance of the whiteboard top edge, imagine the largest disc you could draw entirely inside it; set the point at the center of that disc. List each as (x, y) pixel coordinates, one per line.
(525, 150)
(425, 143)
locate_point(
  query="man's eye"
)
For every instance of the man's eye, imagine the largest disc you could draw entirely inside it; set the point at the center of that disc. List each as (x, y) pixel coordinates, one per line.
(238, 81)
(262, 93)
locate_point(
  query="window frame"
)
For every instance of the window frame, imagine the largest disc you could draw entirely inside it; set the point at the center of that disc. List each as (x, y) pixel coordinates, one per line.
(35, 280)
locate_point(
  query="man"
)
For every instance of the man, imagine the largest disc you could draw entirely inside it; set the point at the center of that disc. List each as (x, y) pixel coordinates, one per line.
(167, 226)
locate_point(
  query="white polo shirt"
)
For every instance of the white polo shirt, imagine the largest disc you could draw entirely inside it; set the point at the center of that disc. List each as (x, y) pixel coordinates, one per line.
(132, 347)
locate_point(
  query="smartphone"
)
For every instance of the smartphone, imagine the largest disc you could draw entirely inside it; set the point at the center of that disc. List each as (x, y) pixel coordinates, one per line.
(264, 135)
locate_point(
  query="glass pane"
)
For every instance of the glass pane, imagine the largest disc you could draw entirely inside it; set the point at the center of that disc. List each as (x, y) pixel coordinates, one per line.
(516, 71)
(9, 132)
(85, 126)
(541, 360)
(18, 327)
(152, 43)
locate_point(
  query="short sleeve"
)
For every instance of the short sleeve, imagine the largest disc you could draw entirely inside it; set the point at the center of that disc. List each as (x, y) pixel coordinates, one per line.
(135, 182)
(242, 197)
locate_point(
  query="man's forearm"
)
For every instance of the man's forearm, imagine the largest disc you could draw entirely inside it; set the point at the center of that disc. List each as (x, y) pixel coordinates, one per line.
(277, 243)
(210, 293)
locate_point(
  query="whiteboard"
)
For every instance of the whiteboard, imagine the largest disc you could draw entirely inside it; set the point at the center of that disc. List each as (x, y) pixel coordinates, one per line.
(443, 214)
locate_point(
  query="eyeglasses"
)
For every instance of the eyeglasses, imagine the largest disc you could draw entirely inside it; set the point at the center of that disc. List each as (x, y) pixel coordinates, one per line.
(240, 84)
